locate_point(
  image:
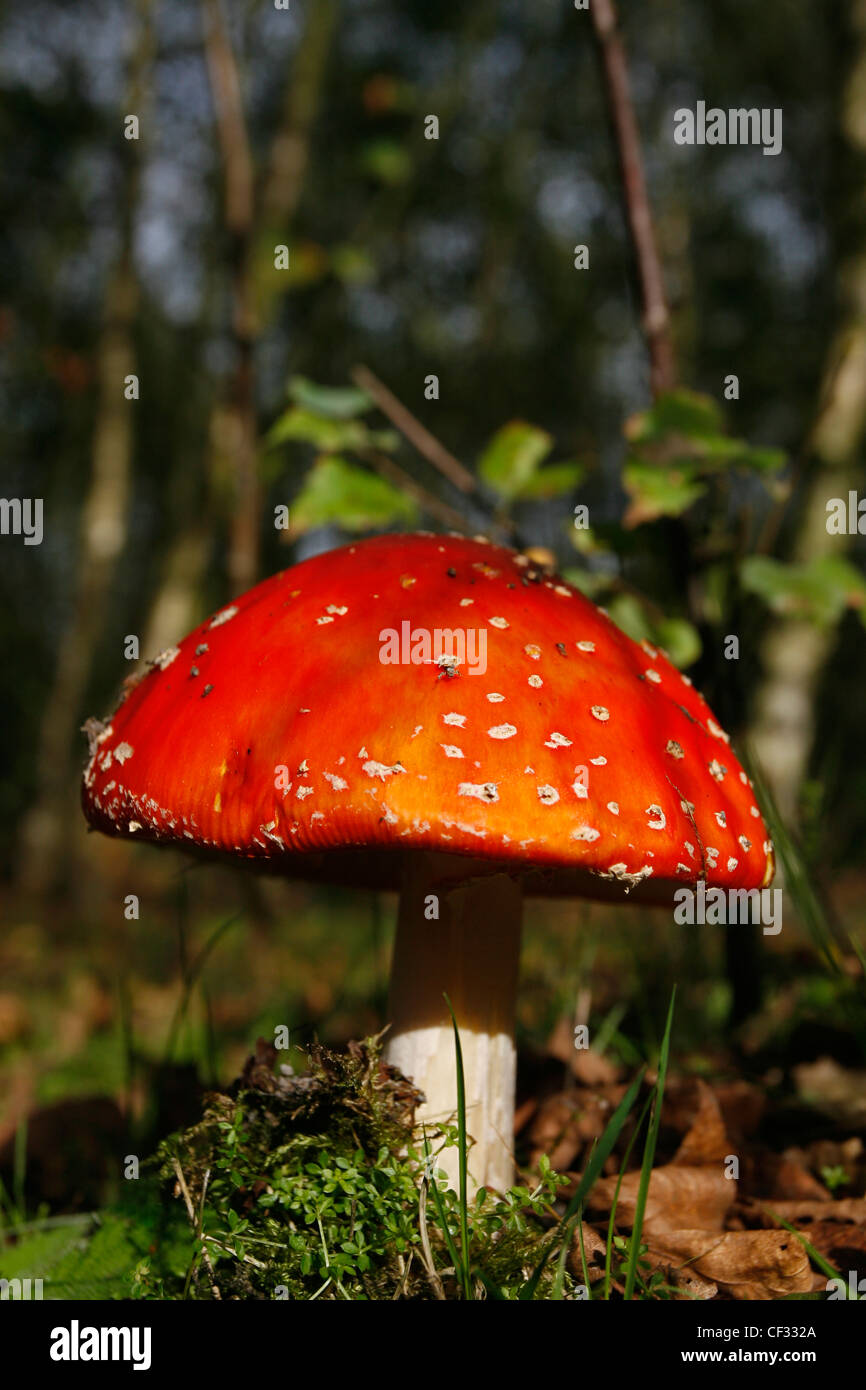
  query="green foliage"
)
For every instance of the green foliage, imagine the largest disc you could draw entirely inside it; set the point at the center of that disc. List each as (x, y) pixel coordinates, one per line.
(676, 636)
(834, 1176)
(685, 427)
(675, 448)
(302, 1187)
(511, 465)
(339, 490)
(657, 492)
(513, 456)
(819, 590)
(680, 414)
(340, 493)
(326, 432)
(636, 1249)
(556, 480)
(334, 402)
(121, 1253)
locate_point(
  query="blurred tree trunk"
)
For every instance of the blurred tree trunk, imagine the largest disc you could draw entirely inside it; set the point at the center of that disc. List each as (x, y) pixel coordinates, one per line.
(290, 151)
(255, 223)
(176, 605)
(104, 522)
(796, 653)
(239, 211)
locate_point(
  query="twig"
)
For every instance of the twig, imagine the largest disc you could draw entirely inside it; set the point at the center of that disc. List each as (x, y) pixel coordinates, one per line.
(435, 453)
(428, 501)
(430, 448)
(196, 1226)
(404, 1276)
(432, 1275)
(656, 317)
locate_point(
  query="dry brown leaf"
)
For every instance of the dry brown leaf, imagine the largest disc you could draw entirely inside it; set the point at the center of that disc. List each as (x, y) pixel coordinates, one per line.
(681, 1103)
(555, 1131)
(742, 1105)
(592, 1242)
(678, 1197)
(847, 1211)
(706, 1140)
(684, 1277)
(587, 1066)
(756, 1265)
(835, 1090)
(524, 1113)
(834, 1153)
(843, 1246)
(594, 1250)
(564, 1123)
(591, 1069)
(768, 1175)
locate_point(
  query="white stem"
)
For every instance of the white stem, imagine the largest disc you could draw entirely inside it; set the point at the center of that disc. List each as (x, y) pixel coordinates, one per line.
(460, 938)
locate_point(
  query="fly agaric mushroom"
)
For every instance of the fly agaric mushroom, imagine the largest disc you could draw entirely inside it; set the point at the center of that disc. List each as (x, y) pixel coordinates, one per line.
(438, 716)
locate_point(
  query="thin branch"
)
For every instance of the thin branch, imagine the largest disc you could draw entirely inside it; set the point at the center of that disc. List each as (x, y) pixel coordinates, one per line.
(426, 444)
(196, 1224)
(656, 317)
(427, 1254)
(427, 501)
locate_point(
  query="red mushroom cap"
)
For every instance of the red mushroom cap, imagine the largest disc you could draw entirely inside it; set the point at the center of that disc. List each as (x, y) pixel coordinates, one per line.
(316, 722)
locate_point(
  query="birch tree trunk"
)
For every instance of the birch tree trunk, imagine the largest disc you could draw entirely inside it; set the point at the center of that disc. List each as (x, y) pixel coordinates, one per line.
(44, 842)
(796, 652)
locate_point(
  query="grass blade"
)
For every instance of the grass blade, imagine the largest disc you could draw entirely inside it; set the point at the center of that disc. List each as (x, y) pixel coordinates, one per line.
(461, 1139)
(440, 1206)
(597, 1160)
(823, 1264)
(608, 1254)
(559, 1278)
(649, 1153)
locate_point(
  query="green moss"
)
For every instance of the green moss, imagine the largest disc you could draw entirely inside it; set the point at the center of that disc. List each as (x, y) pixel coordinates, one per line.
(316, 1186)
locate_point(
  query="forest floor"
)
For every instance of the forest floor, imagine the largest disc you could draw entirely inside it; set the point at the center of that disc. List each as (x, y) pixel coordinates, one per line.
(712, 1161)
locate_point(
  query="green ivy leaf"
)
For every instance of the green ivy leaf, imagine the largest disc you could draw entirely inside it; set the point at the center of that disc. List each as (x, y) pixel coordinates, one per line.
(592, 583)
(328, 434)
(629, 614)
(680, 639)
(513, 456)
(334, 402)
(340, 493)
(687, 428)
(689, 413)
(764, 460)
(655, 493)
(553, 481)
(819, 590)
(676, 637)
